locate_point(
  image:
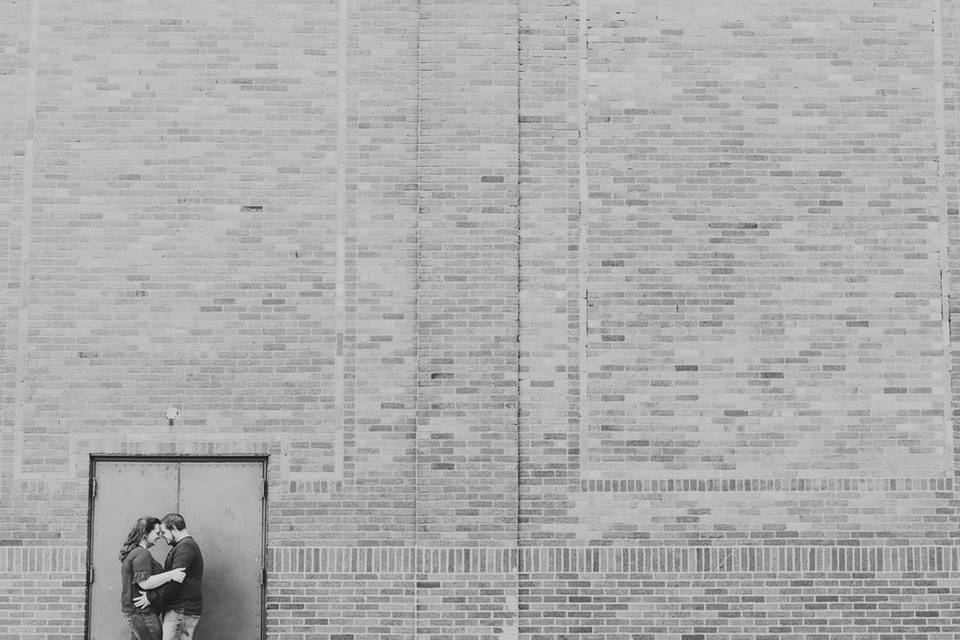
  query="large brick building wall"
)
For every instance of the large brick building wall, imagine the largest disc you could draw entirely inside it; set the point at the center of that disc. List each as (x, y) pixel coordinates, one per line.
(597, 318)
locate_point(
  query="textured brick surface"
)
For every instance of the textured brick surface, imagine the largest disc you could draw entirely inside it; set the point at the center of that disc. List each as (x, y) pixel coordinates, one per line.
(555, 318)
(950, 171)
(741, 606)
(467, 294)
(762, 251)
(14, 81)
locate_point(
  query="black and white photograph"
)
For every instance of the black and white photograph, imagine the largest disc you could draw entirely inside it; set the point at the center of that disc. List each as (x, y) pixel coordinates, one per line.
(479, 320)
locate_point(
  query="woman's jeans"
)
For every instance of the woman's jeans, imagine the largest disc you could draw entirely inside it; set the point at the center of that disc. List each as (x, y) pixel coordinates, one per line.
(144, 626)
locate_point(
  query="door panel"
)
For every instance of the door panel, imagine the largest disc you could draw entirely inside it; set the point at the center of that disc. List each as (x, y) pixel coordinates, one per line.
(221, 503)
(125, 491)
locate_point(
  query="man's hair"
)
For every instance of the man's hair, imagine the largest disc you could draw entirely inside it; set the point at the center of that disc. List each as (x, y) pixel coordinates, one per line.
(173, 521)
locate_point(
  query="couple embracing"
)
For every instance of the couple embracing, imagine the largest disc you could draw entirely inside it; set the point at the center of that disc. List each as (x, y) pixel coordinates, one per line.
(161, 603)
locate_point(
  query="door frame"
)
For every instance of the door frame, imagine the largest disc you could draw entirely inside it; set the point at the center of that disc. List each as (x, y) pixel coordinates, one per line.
(91, 477)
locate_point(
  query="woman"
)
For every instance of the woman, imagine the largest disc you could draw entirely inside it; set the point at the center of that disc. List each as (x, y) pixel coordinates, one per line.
(140, 572)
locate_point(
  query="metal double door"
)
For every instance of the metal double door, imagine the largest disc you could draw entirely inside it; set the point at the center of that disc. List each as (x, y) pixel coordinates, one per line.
(222, 502)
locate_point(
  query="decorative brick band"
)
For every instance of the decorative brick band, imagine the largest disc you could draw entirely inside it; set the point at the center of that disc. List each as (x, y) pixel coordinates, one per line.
(52, 560)
(662, 485)
(794, 559)
(394, 560)
(589, 560)
(740, 559)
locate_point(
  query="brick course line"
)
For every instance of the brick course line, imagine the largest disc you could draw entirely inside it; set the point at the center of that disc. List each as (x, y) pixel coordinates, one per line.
(767, 484)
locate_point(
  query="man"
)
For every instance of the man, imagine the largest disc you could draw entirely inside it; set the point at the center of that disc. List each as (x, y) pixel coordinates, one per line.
(182, 604)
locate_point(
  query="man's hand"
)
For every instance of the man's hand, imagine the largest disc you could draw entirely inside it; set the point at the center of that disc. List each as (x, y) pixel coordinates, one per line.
(178, 574)
(141, 601)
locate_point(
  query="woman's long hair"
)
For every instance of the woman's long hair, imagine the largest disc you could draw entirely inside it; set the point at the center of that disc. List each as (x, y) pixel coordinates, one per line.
(141, 528)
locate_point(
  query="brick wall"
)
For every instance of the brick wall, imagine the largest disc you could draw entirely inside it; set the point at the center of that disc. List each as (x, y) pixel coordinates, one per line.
(467, 278)
(595, 318)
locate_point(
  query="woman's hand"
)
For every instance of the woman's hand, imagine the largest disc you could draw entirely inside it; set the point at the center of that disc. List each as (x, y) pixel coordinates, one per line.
(141, 601)
(178, 574)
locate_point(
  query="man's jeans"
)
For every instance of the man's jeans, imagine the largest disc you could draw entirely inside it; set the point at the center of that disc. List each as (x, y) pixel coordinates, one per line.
(178, 626)
(143, 626)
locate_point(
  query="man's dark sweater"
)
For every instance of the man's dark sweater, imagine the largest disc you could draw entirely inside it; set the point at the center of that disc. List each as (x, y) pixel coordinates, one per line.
(186, 595)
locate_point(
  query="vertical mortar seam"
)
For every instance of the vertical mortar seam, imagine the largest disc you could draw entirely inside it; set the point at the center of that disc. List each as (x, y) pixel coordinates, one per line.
(26, 224)
(10, 129)
(583, 212)
(519, 279)
(956, 467)
(340, 294)
(943, 230)
(416, 331)
(515, 556)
